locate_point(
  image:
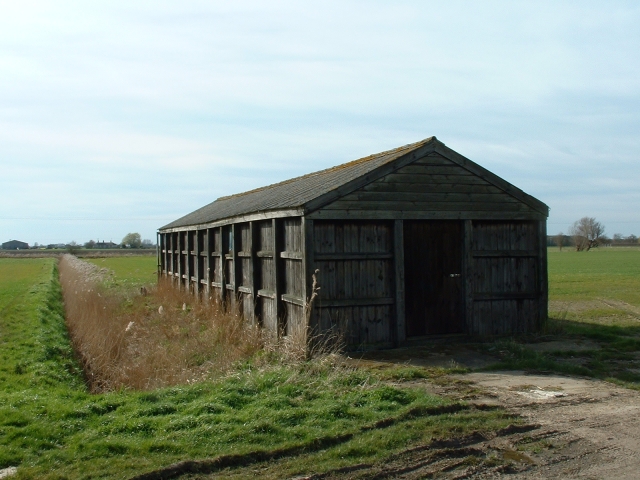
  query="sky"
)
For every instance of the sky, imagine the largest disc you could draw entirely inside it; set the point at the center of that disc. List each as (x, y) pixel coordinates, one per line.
(121, 116)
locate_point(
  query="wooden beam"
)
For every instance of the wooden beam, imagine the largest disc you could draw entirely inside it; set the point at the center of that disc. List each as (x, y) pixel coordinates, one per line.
(385, 214)
(208, 263)
(277, 273)
(410, 205)
(223, 266)
(158, 255)
(356, 302)
(255, 270)
(319, 257)
(308, 266)
(398, 253)
(293, 255)
(179, 245)
(187, 260)
(235, 281)
(467, 271)
(289, 212)
(293, 299)
(172, 255)
(196, 261)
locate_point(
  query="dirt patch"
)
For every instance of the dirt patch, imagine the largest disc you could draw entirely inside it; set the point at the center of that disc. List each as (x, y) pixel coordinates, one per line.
(591, 429)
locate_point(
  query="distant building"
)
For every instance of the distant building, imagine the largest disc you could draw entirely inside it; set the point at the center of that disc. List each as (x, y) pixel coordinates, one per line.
(15, 245)
(104, 245)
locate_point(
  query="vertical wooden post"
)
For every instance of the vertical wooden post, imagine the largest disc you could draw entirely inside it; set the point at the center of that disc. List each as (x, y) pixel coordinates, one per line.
(223, 265)
(308, 266)
(165, 244)
(207, 264)
(179, 251)
(196, 261)
(187, 261)
(172, 242)
(543, 280)
(277, 274)
(398, 256)
(235, 280)
(467, 275)
(255, 269)
(158, 255)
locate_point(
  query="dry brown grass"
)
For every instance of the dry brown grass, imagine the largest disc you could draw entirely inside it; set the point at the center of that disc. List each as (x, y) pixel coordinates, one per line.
(156, 338)
(162, 336)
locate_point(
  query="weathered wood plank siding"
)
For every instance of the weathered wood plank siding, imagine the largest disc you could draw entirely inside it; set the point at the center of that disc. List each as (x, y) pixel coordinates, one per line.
(357, 296)
(293, 275)
(431, 187)
(505, 284)
(266, 278)
(245, 271)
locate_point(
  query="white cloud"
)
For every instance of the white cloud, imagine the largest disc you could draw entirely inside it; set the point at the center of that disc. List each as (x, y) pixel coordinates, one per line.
(163, 107)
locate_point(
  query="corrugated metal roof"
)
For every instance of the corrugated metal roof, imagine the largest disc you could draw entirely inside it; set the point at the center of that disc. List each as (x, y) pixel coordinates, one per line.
(293, 193)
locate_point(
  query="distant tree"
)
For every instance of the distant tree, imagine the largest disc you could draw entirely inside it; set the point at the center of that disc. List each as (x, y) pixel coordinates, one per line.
(559, 240)
(146, 243)
(90, 244)
(617, 238)
(632, 239)
(587, 232)
(132, 240)
(73, 247)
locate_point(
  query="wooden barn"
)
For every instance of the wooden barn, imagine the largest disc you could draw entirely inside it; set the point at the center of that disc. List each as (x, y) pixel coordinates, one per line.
(411, 242)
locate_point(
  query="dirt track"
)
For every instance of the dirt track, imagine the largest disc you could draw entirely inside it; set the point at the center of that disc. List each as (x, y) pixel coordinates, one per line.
(576, 428)
(591, 429)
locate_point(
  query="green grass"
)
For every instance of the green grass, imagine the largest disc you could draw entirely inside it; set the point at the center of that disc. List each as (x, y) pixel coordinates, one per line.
(132, 271)
(50, 427)
(599, 273)
(594, 298)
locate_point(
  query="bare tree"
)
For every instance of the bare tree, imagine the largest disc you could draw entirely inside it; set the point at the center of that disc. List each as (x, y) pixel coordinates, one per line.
(586, 233)
(559, 240)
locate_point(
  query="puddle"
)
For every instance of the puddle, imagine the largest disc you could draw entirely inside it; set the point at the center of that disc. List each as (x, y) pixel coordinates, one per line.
(516, 456)
(539, 394)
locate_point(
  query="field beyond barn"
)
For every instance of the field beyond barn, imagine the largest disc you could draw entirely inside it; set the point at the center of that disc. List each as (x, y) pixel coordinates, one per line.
(308, 417)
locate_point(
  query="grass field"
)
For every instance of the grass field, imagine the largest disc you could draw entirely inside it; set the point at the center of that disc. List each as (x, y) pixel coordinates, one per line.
(129, 271)
(612, 273)
(594, 326)
(51, 427)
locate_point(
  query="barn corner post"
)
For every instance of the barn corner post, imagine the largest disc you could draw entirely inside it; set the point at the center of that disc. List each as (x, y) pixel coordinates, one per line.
(308, 269)
(158, 255)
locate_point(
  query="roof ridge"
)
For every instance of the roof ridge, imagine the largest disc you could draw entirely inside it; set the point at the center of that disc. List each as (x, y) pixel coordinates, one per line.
(409, 146)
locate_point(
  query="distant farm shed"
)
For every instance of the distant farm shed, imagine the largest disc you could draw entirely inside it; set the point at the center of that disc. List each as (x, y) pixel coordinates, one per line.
(15, 245)
(410, 242)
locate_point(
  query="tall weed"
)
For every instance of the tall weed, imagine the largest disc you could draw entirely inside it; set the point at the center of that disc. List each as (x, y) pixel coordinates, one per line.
(160, 337)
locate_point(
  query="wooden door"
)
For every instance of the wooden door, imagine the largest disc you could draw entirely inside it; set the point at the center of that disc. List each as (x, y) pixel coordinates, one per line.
(433, 277)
